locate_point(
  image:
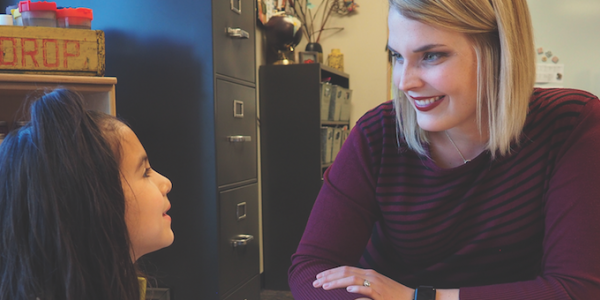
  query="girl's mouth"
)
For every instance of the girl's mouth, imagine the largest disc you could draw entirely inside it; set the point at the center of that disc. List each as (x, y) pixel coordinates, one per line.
(427, 103)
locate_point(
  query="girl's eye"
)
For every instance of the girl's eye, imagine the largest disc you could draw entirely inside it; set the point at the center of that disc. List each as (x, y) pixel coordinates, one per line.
(147, 172)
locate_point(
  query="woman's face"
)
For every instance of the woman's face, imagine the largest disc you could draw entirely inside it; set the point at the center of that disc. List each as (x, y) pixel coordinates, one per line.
(146, 202)
(437, 70)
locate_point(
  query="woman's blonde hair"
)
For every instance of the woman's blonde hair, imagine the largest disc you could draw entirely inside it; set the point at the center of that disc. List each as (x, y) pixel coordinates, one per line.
(502, 37)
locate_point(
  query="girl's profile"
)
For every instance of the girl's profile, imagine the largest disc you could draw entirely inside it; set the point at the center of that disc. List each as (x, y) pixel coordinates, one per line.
(79, 204)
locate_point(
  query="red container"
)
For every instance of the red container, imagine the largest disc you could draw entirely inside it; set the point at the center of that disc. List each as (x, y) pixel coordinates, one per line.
(40, 13)
(75, 18)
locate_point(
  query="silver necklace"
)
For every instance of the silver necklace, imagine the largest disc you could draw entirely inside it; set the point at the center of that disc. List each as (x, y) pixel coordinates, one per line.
(459, 153)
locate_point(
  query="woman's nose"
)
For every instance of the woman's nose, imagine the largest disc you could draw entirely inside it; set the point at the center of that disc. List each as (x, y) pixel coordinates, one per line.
(408, 78)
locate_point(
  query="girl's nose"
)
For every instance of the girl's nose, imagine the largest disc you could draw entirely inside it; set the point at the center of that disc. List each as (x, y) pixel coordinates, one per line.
(165, 184)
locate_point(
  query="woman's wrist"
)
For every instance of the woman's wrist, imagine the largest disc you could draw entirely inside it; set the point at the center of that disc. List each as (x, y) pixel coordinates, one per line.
(448, 294)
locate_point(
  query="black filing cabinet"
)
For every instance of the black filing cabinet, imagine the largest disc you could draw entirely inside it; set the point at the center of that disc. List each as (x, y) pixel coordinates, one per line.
(234, 23)
(235, 133)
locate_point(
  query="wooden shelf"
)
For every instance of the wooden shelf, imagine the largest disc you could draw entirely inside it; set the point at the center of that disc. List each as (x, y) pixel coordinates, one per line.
(334, 71)
(31, 78)
(16, 89)
(327, 165)
(334, 123)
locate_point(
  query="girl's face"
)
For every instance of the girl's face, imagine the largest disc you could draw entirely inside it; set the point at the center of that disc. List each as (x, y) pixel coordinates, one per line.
(437, 70)
(146, 202)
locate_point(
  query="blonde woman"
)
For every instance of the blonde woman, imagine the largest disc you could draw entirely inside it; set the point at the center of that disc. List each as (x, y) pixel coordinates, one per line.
(471, 184)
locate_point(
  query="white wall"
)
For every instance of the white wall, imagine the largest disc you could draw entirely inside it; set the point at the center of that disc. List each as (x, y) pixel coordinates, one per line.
(571, 30)
(362, 42)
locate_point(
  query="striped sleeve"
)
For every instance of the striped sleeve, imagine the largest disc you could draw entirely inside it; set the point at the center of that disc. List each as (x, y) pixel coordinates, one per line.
(341, 219)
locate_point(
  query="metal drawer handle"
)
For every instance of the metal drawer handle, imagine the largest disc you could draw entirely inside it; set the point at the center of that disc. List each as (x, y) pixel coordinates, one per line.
(239, 138)
(236, 9)
(237, 33)
(241, 240)
(240, 211)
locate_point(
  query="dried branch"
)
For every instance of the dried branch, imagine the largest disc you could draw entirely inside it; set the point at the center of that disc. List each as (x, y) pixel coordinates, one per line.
(308, 17)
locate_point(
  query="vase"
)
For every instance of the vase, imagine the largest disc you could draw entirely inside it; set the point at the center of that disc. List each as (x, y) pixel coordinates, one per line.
(315, 47)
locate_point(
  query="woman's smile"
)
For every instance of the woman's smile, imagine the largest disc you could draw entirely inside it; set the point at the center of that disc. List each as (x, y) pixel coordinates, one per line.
(427, 103)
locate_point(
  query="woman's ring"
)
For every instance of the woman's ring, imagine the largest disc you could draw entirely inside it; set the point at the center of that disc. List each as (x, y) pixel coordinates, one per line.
(366, 283)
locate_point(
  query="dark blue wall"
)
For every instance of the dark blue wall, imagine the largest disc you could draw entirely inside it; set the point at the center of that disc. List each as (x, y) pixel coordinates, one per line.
(161, 53)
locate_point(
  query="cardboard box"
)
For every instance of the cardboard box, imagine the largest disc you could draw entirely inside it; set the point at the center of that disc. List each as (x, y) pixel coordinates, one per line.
(337, 99)
(345, 133)
(345, 109)
(48, 50)
(326, 144)
(337, 142)
(326, 89)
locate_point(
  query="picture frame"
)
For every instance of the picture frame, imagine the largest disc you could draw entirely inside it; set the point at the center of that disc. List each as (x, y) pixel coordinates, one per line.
(308, 57)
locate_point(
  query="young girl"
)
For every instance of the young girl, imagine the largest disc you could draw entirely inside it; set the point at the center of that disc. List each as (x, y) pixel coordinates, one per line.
(79, 204)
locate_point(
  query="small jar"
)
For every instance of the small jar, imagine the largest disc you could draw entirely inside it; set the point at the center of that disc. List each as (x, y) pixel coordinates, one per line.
(74, 18)
(10, 8)
(40, 13)
(6, 20)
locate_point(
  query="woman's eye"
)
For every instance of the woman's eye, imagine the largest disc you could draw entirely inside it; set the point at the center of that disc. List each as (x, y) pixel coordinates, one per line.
(147, 172)
(432, 56)
(396, 56)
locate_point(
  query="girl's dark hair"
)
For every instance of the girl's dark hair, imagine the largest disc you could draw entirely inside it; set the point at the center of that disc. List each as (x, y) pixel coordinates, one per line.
(62, 207)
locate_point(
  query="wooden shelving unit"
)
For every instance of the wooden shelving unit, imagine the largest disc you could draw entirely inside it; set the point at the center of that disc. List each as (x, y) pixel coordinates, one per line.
(291, 159)
(16, 89)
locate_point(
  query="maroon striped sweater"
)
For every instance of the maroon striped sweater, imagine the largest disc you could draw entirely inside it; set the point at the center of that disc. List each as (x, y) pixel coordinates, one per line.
(524, 226)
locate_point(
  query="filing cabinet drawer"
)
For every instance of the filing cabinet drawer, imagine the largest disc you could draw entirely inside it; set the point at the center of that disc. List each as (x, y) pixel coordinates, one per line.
(234, 38)
(236, 133)
(238, 238)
